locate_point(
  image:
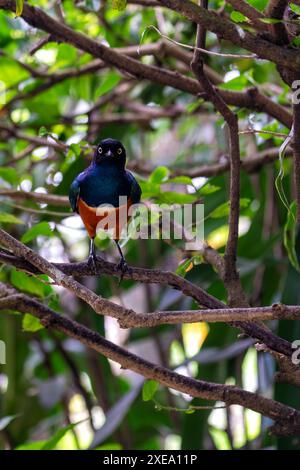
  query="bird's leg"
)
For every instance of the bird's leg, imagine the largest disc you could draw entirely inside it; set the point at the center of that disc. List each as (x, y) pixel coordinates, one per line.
(122, 265)
(92, 259)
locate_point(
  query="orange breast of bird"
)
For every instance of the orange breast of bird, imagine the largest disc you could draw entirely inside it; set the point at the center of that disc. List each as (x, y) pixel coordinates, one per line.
(111, 219)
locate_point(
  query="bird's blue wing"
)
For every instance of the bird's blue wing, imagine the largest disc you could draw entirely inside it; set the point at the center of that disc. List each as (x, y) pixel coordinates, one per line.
(135, 191)
(74, 194)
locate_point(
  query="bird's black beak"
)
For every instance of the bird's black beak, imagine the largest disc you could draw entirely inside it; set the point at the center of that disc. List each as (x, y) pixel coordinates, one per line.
(108, 154)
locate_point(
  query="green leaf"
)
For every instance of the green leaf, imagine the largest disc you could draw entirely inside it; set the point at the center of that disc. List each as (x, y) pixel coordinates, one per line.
(237, 83)
(187, 265)
(9, 219)
(76, 149)
(180, 180)
(43, 131)
(258, 4)
(119, 4)
(51, 443)
(171, 197)
(149, 189)
(27, 283)
(289, 237)
(110, 81)
(19, 7)
(36, 445)
(31, 323)
(238, 17)
(296, 41)
(10, 175)
(295, 8)
(110, 446)
(198, 259)
(149, 389)
(159, 175)
(208, 189)
(224, 209)
(191, 107)
(184, 267)
(280, 176)
(42, 228)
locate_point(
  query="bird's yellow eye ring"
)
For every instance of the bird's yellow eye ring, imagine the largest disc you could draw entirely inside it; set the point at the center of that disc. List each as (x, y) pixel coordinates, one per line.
(119, 151)
(100, 150)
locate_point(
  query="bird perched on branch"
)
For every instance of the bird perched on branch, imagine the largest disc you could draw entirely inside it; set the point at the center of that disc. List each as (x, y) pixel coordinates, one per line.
(103, 193)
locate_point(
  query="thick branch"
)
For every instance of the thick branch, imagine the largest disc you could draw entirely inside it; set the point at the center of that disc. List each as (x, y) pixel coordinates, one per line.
(284, 416)
(275, 10)
(38, 197)
(35, 263)
(99, 304)
(227, 30)
(227, 315)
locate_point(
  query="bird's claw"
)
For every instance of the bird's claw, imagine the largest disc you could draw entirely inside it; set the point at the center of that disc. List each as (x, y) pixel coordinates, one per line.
(123, 267)
(92, 261)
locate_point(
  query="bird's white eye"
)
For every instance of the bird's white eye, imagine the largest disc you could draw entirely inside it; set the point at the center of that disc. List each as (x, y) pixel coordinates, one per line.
(119, 151)
(100, 150)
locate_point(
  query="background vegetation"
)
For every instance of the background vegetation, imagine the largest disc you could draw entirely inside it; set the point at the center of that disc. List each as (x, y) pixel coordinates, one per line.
(61, 95)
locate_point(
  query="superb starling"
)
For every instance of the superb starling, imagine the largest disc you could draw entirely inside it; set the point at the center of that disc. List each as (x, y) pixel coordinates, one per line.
(103, 183)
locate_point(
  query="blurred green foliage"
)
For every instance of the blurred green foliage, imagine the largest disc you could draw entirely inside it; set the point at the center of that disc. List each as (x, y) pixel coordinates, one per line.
(56, 394)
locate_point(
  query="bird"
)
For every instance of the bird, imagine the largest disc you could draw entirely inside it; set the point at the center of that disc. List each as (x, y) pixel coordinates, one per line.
(103, 183)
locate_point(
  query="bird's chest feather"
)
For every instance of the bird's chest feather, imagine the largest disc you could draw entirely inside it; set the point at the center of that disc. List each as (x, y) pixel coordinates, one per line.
(104, 186)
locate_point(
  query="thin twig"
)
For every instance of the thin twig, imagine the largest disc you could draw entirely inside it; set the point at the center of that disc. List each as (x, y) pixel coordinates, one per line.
(197, 48)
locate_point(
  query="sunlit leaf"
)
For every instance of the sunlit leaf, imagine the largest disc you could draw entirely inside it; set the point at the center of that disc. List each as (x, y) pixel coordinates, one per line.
(184, 267)
(237, 17)
(19, 7)
(9, 219)
(159, 175)
(36, 445)
(10, 175)
(149, 389)
(172, 197)
(51, 443)
(180, 180)
(270, 20)
(208, 189)
(31, 323)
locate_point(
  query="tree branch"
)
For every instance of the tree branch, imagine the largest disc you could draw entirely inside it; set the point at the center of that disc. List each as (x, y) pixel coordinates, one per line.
(285, 417)
(275, 10)
(250, 12)
(227, 30)
(230, 271)
(39, 19)
(36, 264)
